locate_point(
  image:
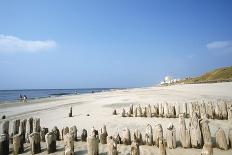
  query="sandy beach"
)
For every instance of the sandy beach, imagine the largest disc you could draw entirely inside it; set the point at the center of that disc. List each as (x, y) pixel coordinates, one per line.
(99, 106)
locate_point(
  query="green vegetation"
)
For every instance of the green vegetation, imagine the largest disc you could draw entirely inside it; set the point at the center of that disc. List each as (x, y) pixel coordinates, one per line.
(218, 75)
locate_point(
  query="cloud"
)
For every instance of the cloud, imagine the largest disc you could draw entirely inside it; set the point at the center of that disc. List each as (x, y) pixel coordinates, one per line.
(220, 46)
(15, 44)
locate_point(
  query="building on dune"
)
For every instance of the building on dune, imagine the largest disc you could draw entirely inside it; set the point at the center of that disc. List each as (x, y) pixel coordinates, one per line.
(168, 80)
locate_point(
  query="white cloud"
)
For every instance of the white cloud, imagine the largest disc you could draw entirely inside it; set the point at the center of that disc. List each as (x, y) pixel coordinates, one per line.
(220, 46)
(15, 44)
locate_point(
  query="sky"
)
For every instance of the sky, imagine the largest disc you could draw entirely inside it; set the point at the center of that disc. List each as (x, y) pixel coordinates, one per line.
(110, 43)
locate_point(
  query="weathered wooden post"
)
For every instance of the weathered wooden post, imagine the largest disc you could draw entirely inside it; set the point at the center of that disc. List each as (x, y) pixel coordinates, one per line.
(195, 132)
(224, 110)
(135, 112)
(73, 132)
(114, 112)
(135, 148)
(217, 111)
(70, 112)
(185, 109)
(230, 114)
(50, 139)
(207, 149)
(43, 132)
(184, 133)
(203, 113)
(165, 105)
(156, 111)
(56, 131)
(84, 135)
(131, 109)
(205, 131)
(210, 110)
(112, 146)
(126, 139)
(230, 138)
(65, 130)
(29, 128)
(171, 112)
(161, 110)
(158, 134)
(162, 147)
(144, 112)
(5, 127)
(36, 125)
(171, 136)
(123, 113)
(221, 141)
(118, 139)
(138, 137)
(140, 113)
(18, 141)
(103, 135)
(149, 112)
(35, 143)
(93, 144)
(15, 126)
(68, 144)
(4, 144)
(22, 129)
(149, 135)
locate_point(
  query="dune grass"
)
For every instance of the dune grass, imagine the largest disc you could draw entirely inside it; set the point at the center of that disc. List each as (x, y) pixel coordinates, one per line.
(218, 75)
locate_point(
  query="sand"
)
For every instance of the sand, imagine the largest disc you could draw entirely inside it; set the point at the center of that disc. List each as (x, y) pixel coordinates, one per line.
(54, 112)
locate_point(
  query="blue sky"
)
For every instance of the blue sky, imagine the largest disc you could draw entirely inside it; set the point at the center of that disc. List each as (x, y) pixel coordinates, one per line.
(104, 43)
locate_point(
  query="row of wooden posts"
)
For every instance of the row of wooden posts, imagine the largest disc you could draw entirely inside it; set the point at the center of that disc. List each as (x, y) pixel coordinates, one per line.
(212, 110)
(197, 135)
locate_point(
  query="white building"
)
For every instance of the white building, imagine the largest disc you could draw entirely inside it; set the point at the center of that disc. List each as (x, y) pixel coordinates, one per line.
(169, 80)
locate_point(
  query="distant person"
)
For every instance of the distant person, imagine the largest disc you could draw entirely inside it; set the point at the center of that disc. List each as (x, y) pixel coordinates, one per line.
(20, 97)
(25, 99)
(75, 91)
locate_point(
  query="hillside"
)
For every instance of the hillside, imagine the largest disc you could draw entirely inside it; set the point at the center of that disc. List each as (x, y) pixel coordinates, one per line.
(218, 75)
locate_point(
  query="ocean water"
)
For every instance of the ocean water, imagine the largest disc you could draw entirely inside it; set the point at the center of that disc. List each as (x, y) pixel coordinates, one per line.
(13, 95)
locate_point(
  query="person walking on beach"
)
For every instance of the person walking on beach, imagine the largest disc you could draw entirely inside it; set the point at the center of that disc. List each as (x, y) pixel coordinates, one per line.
(25, 99)
(20, 97)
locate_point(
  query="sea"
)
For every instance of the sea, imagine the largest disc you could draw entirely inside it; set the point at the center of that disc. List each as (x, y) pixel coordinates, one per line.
(13, 95)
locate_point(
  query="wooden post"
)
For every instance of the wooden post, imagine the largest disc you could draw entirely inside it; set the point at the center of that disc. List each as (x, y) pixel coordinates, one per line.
(135, 148)
(4, 144)
(56, 131)
(68, 144)
(35, 143)
(73, 132)
(84, 135)
(112, 146)
(171, 137)
(18, 141)
(221, 141)
(50, 139)
(93, 145)
(103, 135)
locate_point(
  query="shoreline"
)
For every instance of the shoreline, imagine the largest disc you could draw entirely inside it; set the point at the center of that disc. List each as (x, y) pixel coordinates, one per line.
(49, 93)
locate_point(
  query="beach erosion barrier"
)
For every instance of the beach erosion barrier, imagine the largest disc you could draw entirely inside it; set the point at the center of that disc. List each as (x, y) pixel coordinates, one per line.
(221, 110)
(194, 135)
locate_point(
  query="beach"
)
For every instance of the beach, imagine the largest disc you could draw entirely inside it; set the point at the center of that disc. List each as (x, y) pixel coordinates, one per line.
(99, 106)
